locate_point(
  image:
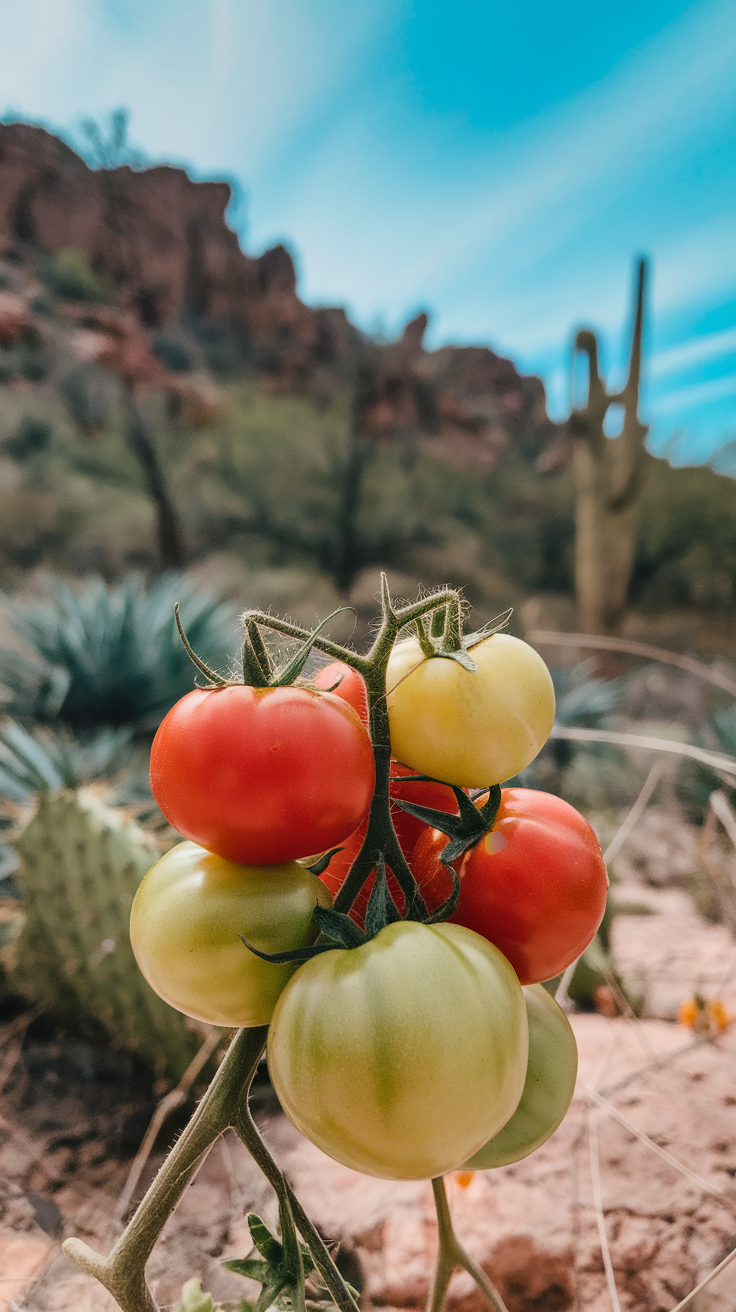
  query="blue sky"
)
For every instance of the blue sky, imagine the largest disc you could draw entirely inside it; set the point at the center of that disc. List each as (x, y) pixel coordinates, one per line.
(498, 165)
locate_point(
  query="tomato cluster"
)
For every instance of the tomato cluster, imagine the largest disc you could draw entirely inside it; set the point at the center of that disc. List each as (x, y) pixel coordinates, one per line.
(410, 1037)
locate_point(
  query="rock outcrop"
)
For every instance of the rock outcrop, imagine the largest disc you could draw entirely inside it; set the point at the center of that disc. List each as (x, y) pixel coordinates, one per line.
(160, 244)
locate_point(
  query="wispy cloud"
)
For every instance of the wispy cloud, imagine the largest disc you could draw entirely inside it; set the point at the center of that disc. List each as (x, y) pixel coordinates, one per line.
(700, 350)
(699, 394)
(525, 198)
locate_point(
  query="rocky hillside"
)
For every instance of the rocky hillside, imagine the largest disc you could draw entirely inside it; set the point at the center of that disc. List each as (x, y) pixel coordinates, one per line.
(160, 249)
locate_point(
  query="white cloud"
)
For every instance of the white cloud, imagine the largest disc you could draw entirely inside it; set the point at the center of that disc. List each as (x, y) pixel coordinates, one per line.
(699, 350)
(699, 394)
(525, 199)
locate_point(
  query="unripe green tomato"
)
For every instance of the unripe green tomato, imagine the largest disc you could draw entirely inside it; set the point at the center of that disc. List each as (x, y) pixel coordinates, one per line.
(469, 729)
(548, 1089)
(185, 924)
(401, 1057)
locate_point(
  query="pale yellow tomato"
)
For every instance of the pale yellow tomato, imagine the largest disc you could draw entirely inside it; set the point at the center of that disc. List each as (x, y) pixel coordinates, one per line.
(469, 728)
(403, 1056)
(549, 1087)
(185, 927)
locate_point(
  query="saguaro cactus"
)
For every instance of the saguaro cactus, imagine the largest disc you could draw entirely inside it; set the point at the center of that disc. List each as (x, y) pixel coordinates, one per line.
(81, 863)
(609, 474)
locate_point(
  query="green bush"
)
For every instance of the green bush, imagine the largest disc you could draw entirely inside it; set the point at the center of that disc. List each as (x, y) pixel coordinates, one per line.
(69, 276)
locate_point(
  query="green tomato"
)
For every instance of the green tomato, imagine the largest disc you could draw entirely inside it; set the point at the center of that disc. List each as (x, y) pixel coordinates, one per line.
(185, 924)
(401, 1057)
(549, 1086)
(469, 729)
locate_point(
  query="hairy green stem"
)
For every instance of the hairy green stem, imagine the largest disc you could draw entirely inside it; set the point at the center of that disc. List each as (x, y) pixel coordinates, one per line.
(451, 1254)
(290, 1210)
(380, 838)
(123, 1271)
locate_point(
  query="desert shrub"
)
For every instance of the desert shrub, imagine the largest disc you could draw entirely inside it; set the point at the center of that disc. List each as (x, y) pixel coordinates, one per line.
(69, 276)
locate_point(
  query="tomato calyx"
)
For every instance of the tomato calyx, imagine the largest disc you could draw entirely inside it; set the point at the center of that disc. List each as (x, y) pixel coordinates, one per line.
(343, 931)
(463, 830)
(318, 867)
(443, 636)
(259, 670)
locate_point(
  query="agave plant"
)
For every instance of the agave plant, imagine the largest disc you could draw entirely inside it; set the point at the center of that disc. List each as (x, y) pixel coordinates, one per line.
(695, 783)
(111, 654)
(582, 702)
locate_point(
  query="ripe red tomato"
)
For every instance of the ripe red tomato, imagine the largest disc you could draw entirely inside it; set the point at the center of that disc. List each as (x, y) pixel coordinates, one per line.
(344, 682)
(408, 831)
(535, 884)
(262, 775)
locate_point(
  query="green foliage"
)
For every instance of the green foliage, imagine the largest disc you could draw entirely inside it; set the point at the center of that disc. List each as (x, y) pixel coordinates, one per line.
(46, 760)
(111, 654)
(80, 865)
(686, 543)
(695, 783)
(580, 771)
(69, 276)
(32, 438)
(278, 1271)
(89, 392)
(105, 143)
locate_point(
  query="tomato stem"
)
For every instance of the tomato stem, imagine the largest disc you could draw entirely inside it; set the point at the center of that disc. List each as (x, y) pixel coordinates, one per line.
(451, 1255)
(225, 1104)
(122, 1272)
(380, 838)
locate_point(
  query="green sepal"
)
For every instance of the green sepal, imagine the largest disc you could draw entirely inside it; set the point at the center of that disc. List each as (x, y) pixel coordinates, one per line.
(273, 1285)
(266, 1243)
(449, 906)
(463, 830)
(461, 657)
(254, 1268)
(295, 954)
(259, 650)
(255, 674)
(488, 630)
(339, 927)
(432, 645)
(291, 671)
(318, 867)
(381, 910)
(279, 1278)
(215, 680)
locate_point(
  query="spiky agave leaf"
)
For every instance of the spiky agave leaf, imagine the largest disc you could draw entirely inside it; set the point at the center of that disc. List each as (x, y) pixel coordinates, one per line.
(110, 654)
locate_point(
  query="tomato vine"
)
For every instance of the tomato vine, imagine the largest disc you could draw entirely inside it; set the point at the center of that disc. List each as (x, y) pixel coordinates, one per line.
(435, 621)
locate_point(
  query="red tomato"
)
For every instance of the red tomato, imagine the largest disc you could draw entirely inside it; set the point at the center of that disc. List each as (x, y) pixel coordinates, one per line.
(408, 831)
(535, 884)
(345, 682)
(262, 775)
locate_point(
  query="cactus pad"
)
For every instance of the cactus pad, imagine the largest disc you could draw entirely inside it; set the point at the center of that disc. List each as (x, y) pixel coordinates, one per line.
(81, 863)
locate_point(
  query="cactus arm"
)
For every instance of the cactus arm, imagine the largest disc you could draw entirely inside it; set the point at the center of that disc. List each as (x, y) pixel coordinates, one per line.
(632, 454)
(588, 422)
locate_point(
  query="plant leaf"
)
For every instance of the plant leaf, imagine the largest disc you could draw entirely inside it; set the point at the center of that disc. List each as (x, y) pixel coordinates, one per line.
(336, 925)
(381, 910)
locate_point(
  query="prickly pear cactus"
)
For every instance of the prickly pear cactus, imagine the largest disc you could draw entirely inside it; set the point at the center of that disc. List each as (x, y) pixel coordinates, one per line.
(81, 863)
